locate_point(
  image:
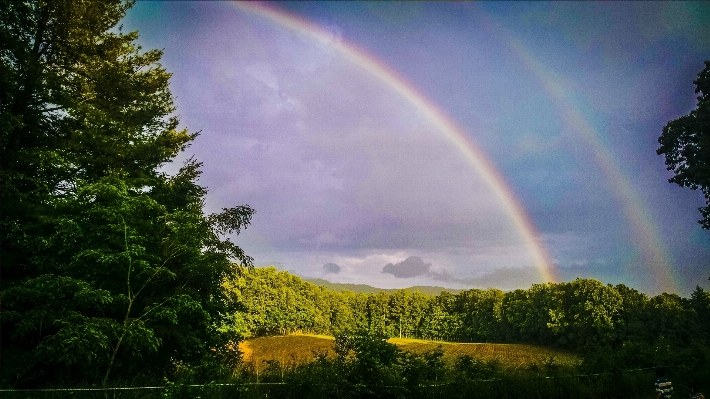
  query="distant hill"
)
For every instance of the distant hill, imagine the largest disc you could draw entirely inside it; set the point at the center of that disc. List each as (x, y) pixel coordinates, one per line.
(366, 289)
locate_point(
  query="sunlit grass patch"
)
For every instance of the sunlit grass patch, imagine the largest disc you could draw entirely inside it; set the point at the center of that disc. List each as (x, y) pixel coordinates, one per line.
(286, 349)
(510, 356)
(301, 348)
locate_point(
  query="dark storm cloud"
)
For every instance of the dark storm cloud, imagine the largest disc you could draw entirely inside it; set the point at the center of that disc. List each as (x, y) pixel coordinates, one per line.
(331, 268)
(411, 267)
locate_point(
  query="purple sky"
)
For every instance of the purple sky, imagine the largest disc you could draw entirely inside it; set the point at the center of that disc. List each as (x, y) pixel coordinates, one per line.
(353, 183)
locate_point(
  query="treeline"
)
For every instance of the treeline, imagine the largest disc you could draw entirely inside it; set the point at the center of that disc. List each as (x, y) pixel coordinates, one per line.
(576, 315)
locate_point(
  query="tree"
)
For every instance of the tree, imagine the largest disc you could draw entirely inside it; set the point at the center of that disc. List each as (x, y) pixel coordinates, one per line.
(686, 144)
(537, 314)
(634, 316)
(593, 312)
(700, 302)
(109, 266)
(482, 314)
(371, 367)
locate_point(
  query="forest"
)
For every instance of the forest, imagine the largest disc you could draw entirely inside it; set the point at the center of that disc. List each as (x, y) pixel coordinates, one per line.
(580, 314)
(114, 276)
(612, 326)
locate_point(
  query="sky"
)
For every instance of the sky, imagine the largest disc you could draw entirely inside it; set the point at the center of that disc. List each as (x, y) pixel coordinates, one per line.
(466, 145)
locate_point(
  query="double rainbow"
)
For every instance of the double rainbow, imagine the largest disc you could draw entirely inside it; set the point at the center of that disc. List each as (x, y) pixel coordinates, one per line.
(655, 254)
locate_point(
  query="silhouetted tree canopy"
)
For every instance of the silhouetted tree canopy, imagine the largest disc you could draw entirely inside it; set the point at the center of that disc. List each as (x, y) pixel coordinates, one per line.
(686, 144)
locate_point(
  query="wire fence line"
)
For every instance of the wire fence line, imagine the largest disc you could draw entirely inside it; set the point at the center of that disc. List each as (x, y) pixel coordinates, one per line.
(138, 388)
(247, 384)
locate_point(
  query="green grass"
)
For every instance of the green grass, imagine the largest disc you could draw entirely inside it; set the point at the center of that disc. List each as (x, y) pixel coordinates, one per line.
(286, 349)
(510, 356)
(300, 348)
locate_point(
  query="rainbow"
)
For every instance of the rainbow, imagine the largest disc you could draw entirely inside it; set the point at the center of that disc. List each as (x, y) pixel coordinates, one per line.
(445, 125)
(655, 255)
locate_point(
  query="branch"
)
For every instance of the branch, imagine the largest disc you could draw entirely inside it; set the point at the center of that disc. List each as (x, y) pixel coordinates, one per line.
(158, 269)
(161, 303)
(130, 259)
(130, 303)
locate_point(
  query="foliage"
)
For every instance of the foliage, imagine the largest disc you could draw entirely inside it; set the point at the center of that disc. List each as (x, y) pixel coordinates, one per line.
(571, 315)
(612, 327)
(110, 269)
(369, 362)
(685, 142)
(366, 366)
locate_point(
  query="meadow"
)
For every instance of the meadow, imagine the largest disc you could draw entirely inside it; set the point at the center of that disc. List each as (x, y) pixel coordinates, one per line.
(309, 365)
(298, 349)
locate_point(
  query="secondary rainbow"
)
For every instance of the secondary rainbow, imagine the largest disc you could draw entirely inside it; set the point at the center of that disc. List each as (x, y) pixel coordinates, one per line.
(445, 125)
(655, 255)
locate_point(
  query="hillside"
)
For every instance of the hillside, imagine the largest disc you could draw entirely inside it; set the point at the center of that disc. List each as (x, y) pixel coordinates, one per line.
(366, 289)
(300, 348)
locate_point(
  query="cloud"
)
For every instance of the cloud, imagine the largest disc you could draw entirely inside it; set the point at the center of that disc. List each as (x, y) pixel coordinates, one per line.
(342, 168)
(331, 268)
(506, 278)
(362, 168)
(411, 267)
(446, 277)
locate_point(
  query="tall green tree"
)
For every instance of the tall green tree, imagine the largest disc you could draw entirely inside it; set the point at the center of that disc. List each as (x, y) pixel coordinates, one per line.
(700, 302)
(110, 268)
(635, 315)
(537, 314)
(482, 314)
(685, 142)
(592, 313)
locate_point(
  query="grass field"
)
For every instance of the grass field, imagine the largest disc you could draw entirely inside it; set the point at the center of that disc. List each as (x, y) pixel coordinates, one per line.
(286, 349)
(300, 348)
